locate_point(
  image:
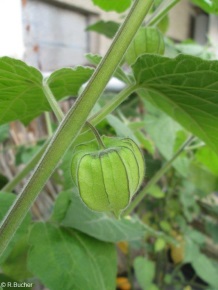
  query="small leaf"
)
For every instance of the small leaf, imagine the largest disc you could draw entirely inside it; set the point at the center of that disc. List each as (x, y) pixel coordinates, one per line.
(159, 245)
(186, 88)
(107, 28)
(73, 260)
(156, 192)
(145, 272)
(67, 81)
(113, 5)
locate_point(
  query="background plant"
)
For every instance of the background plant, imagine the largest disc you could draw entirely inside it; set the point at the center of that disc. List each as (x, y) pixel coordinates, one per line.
(169, 107)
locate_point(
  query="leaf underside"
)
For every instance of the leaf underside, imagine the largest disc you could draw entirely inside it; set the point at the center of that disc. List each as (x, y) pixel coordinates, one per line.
(186, 88)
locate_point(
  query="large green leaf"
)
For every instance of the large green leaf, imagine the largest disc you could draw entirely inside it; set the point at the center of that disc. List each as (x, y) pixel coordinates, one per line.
(71, 212)
(186, 88)
(113, 5)
(21, 94)
(65, 259)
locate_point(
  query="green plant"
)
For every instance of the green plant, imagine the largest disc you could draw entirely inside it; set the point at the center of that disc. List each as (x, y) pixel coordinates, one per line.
(178, 136)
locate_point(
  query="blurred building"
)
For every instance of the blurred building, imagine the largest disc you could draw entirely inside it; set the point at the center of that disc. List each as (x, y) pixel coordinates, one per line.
(50, 34)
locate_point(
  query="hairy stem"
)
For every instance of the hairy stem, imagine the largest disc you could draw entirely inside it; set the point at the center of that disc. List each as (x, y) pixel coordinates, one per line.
(113, 104)
(161, 11)
(72, 124)
(48, 124)
(156, 177)
(97, 136)
(52, 101)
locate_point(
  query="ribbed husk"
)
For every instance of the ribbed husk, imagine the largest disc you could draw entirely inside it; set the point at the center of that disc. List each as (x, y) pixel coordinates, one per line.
(108, 178)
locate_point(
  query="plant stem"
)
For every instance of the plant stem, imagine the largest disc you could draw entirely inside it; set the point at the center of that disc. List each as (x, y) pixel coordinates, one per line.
(72, 124)
(97, 136)
(113, 104)
(156, 177)
(52, 101)
(48, 124)
(161, 11)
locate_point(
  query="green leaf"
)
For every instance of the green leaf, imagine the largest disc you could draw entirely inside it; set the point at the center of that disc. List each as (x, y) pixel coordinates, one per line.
(20, 83)
(194, 49)
(6, 200)
(164, 132)
(145, 272)
(73, 260)
(71, 212)
(21, 94)
(202, 178)
(195, 236)
(156, 192)
(24, 154)
(144, 142)
(67, 81)
(107, 28)
(210, 6)
(121, 129)
(212, 230)
(159, 245)
(205, 269)
(208, 158)
(113, 5)
(186, 88)
(15, 265)
(147, 40)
